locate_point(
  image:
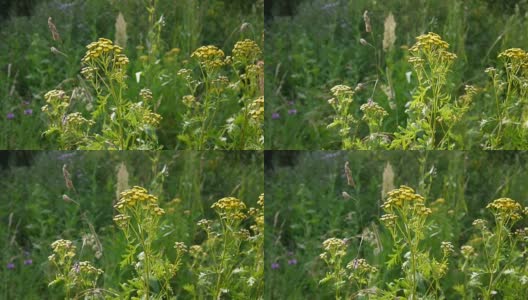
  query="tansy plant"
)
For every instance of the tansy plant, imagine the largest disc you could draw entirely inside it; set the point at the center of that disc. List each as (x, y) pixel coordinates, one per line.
(139, 218)
(227, 264)
(508, 127)
(115, 122)
(78, 278)
(357, 273)
(493, 263)
(222, 80)
(431, 114)
(406, 219)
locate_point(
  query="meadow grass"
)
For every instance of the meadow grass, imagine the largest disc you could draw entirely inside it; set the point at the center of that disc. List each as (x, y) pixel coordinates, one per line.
(80, 222)
(158, 38)
(434, 224)
(425, 100)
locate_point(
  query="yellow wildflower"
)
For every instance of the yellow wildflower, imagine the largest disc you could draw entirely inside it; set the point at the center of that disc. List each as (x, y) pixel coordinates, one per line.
(246, 51)
(398, 197)
(373, 111)
(209, 56)
(506, 208)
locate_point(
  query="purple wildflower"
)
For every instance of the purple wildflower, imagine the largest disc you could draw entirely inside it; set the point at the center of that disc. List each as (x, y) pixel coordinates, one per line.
(28, 112)
(10, 116)
(10, 266)
(292, 261)
(275, 116)
(292, 111)
(275, 266)
(28, 262)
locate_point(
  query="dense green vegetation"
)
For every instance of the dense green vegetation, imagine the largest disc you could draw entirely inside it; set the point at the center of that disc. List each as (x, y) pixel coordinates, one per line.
(75, 196)
(158, 39)
(315, 201)
(366, 45)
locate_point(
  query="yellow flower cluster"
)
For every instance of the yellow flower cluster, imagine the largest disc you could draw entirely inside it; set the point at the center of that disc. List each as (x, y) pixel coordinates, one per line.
(467, 251)
(64, 248)
(53, 95)
(253, 71)
(480, 223)
(209, 56)
(522, 233)
(180, 247)
(243, 234)
(57, 102)
(230, 208)
(260, 201)
(220, 82)
(185, 73)
(76, 120)
(431, 44)
(514, 54)
(416, 60)
(229, 203)
(342, 90)
(87, 268)
(373, 111)
(259, 220)
(398, 197)
(135, 194)
(138, 195)
(121, 220)
(89, 72)
(205, 224)
(421, 209)
(103, 49)
(447, 248)
(256, 108)
(190, 101)
(246, 51)
(361, 265)
(471, 91)
(429, 40)
(196, 251)
(334, 245)
(506, 208)
(389, 219)
(152, 119)
(145, 94)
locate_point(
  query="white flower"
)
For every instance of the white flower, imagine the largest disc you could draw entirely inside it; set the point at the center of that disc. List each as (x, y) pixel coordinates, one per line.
(509, 271)
(251, 281)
